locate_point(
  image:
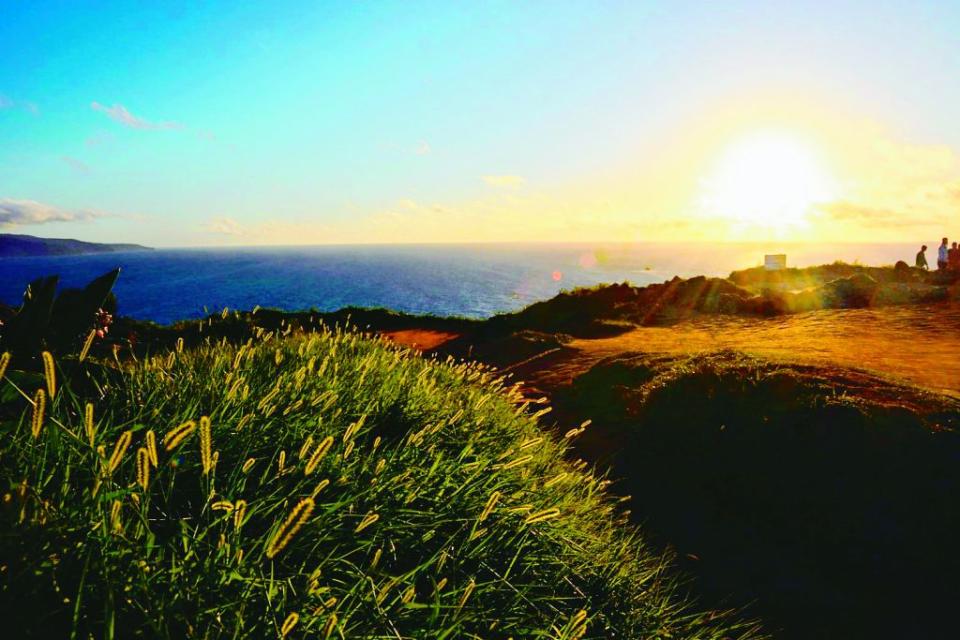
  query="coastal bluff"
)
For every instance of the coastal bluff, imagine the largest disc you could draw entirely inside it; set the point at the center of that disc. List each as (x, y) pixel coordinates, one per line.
(17, 245)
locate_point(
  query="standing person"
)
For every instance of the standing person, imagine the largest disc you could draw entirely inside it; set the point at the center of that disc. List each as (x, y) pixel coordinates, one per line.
(922, 259)
(953, 258)
(943, 255)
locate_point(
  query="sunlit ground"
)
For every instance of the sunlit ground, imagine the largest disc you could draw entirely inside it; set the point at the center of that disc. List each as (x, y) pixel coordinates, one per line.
(917, 344)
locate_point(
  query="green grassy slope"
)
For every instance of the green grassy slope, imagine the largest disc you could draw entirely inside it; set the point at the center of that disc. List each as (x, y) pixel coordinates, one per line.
(344, 489)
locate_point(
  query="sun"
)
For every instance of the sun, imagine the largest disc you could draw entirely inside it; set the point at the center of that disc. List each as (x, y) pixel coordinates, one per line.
(767, 180)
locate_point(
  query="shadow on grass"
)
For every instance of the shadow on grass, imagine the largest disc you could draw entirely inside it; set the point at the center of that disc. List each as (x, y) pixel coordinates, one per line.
(827, 498)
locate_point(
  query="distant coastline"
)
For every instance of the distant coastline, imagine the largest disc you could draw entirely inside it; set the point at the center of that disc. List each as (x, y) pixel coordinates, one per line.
(15, 245)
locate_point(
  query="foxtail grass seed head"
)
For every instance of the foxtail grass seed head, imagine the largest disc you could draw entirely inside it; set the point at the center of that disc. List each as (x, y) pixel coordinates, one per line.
(50, 373)
(297, 518)
(87, 343)
(4, 363)
(524, 508)
(248, 465)
(560, 477)
(518, 461)
(115, 524)
(206, 454)
(118, 450)
(88, 426)
(542, 412)
(387, 588)
(289, 624)
(466, 594)
(320, 487)
(180, 345)
(305, 447)
(577, 627)
(239, 512)
(532, 442)
(540, 516)
(318, 454)
(329, 626)
(281, 462)
(143, 468)
(376, 558)
(354, 428)
(222, 505)
(177, 435)
(368, 520)
(39, 406)
(491, 503)
(440, 585)
(151, 439)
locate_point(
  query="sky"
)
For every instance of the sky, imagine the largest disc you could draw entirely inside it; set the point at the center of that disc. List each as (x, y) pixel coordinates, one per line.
(231, 123)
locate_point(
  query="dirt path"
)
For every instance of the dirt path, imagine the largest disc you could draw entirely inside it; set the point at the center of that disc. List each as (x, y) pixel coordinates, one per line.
(919, 345)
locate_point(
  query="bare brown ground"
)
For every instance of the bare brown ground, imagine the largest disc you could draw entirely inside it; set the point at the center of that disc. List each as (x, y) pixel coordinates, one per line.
(422, 339)
(919, 345)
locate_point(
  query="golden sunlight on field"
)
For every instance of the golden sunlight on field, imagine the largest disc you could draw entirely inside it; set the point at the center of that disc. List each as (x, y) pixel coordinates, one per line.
(916, 344)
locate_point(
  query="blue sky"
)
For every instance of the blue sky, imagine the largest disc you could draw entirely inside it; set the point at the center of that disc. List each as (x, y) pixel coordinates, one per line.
(297, 122)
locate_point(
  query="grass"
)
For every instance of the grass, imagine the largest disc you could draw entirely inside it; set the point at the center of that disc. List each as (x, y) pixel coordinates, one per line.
(318, 484)
(825, 496)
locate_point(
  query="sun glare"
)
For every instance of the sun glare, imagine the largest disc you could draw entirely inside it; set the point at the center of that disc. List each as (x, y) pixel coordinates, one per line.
(769, 180)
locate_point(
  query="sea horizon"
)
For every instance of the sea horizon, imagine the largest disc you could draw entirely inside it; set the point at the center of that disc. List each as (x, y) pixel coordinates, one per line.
(473, 280)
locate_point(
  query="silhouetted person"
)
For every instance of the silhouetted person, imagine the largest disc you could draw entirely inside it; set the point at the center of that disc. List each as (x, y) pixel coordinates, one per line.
(953, 258)
(922, 259)
(943, 255)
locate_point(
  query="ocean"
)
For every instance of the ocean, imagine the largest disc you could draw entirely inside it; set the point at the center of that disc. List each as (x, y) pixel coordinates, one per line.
(474, 281)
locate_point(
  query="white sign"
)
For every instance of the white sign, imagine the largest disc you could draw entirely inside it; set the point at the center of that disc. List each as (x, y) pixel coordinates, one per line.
(775, 261)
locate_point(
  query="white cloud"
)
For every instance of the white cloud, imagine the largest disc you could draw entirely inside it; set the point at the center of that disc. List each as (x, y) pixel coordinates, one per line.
(422, 148)
(26, 212)
(505, 181)
(119, 113)
(79, 166)
(225, 226)
(100, 138)
(10, 103)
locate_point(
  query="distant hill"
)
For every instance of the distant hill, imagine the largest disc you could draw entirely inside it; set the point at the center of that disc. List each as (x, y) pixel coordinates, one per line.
(21, 245)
